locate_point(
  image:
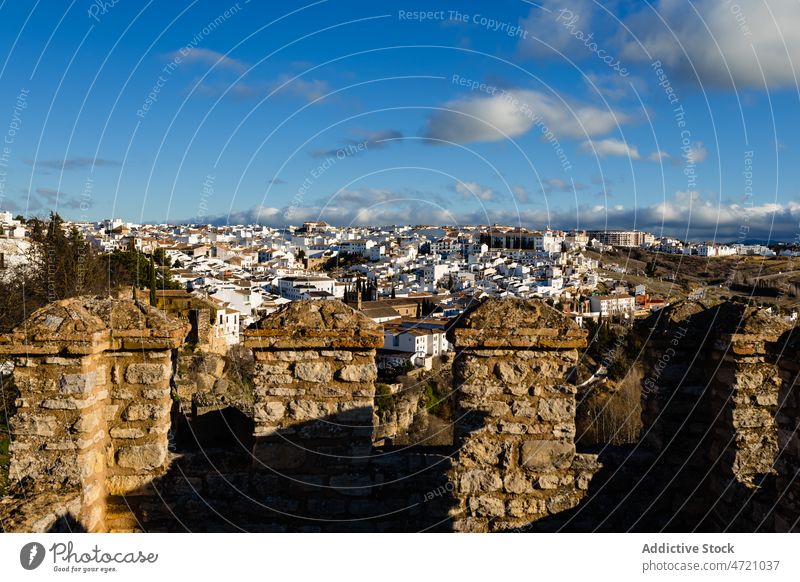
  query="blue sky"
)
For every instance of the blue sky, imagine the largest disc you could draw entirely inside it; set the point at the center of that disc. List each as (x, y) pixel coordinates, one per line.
(668, 116)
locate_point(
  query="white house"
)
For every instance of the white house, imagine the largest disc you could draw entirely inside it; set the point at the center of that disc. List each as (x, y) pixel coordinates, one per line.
(608, 305)
(295, 287)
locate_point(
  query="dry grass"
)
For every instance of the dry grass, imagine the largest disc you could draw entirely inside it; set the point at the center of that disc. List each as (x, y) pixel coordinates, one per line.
(611, 413)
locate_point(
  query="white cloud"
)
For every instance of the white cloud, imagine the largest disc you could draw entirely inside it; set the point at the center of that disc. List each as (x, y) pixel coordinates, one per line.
(309, 90)
(474, 190)
(726, 44)
(521, 195)
(696, 153)
(610, 147)
(547, 35)
(684, 212)
(210, 58)
(502, 116)
(657, 156)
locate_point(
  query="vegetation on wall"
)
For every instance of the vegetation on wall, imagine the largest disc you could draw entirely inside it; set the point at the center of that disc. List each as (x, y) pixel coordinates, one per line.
(61, 264)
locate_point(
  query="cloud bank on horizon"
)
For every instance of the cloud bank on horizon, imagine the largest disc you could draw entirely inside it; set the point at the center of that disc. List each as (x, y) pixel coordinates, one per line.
(673, 116)
(686, 215)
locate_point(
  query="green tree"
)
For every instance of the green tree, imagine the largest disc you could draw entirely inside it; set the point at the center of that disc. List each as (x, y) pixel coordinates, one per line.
(153, 301)
(61, 264)
(161, 258)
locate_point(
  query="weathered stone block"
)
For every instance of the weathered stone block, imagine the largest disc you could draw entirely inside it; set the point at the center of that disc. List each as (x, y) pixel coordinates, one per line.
(34, 425)
(313, 371)
(288, 392)
(541, 455)
(480, 390)
(295, 356)
(304, 410)
(563, 501)
(145, 412)
(487, 506)
(556, 409)
(275, 379)
(142, 457)
(509, 372)
(156, 393)
(475, 451)
(353, 373)
(77, 383)
(752, 418)
(470, 525)
(517, 482)
(270, 412)
(341, 355)
(145, 373)
(479, 481)
(524, 408)
(548, 481)
(767, 399)
(525, 506)
(126, 433)
(62, 404)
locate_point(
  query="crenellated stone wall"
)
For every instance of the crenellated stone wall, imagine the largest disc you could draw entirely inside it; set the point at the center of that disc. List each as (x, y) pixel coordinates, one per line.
(97, 377)
(315, 389)
(719, 420)
(787, 482)
(745, 389)
(93, 413)
(515, 417)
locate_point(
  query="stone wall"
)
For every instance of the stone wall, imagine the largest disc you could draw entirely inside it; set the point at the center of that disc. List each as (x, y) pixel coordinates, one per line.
(59, 434)
(719, 420)
(93, 414)
(719, 449)
(787, 483)
(315, 388)
(745, 387)
(515, 420)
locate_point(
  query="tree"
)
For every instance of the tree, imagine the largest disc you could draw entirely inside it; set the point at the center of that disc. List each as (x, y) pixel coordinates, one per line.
(161, 258)
(61, 264)
(58, 265)
(153, 301)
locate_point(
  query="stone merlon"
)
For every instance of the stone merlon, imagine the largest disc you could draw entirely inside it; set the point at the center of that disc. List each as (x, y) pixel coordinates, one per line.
(314, 324)
(88, 325)
(513, 322)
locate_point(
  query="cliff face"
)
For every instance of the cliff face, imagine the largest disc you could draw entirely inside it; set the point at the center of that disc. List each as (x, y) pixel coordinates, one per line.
(105, 385)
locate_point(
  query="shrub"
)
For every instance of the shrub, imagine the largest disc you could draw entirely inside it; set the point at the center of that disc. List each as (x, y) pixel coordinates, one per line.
(384, 400)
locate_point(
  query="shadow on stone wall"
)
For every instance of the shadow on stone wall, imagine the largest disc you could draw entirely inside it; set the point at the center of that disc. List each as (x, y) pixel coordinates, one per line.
(719, 450)
(302, 485)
